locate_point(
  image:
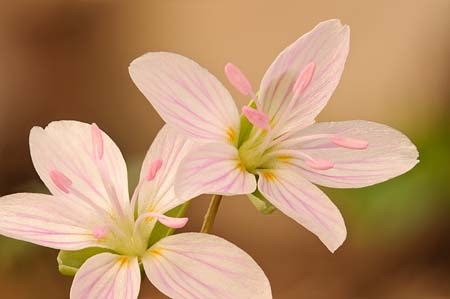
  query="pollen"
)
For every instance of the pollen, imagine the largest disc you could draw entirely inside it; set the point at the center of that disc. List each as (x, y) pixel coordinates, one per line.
(270, 176)
(240, 166)
(156, 251)
(123, 260)
(284, 158)
(230, 134)
(148, 219)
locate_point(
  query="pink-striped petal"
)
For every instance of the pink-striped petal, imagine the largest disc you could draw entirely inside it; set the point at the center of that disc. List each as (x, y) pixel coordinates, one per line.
(363, 153)
(55, 222)
(195, 265)
(305, 203)
(315, 61)
(213, 168)
(107, 275)
(78, 161)
(157, 194)
(187, 96)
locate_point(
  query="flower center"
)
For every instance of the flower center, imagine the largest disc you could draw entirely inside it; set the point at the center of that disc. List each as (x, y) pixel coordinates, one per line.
(265, 144)
(115, 227)
(252, 151)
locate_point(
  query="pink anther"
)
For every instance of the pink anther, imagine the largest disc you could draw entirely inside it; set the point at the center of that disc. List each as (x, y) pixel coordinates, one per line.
(99, 232)
(319, 164)
(257, 118)
(155, 166)
(60, 180)
(238, 79)
(350, 143)
(304, 78)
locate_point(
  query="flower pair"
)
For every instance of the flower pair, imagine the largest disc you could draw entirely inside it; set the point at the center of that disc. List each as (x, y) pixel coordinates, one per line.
(273, 152)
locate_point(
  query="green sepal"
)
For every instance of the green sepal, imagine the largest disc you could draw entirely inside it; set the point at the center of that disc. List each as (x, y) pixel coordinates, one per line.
(70, 261)
(261, 203)
(161, 231)
(245, 126)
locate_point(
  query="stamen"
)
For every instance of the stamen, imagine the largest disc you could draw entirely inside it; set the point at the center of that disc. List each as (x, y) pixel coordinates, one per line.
(65, 185)
(97, 141)
(110, 187)
(171, 222)
(288, 111)
(99, 232)
(319, 164)
(350, 143)
(257, 118)
(238, 80)
(155, 166)
(304, 78)
(342, 141)
(60, 180)
(135, 196)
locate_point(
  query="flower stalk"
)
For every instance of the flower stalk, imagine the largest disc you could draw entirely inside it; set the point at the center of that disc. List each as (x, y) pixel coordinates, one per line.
(211, 214)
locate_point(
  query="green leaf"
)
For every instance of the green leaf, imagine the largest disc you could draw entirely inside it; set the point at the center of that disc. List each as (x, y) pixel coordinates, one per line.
(70, 261)
(161, 231)
(261, 203)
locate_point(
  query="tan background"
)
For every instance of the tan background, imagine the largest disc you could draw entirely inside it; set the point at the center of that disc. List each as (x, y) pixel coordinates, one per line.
(69, 59)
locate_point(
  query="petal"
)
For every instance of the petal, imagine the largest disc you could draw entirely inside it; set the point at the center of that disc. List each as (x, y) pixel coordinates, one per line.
(195, 265)
(55, 222)
(187, 96)
(107, 275)
(66, 154)
(326, 46)
(389, 153)
(305, 203)
(158, 194)
(213, 169)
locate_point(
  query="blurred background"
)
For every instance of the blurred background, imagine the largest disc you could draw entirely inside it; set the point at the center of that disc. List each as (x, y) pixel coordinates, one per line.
(69, 60)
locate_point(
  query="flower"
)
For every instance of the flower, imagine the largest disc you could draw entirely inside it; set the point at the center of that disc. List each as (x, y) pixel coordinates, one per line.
(277, 149)
(90, 207)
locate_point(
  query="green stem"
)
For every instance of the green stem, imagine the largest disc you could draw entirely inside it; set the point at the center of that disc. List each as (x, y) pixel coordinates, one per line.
(210, 215)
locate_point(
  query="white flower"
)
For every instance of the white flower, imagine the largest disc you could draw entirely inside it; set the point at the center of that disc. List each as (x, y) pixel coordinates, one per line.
(90, 207)
(284, 152)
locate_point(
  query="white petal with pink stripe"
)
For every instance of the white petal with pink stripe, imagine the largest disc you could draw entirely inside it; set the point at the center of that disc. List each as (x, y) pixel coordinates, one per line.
(214, 168)
(187, 96)
(107, 275)
(363, 153)
(316, 60)
(289, 192)
(196, 265)
(51, 221)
